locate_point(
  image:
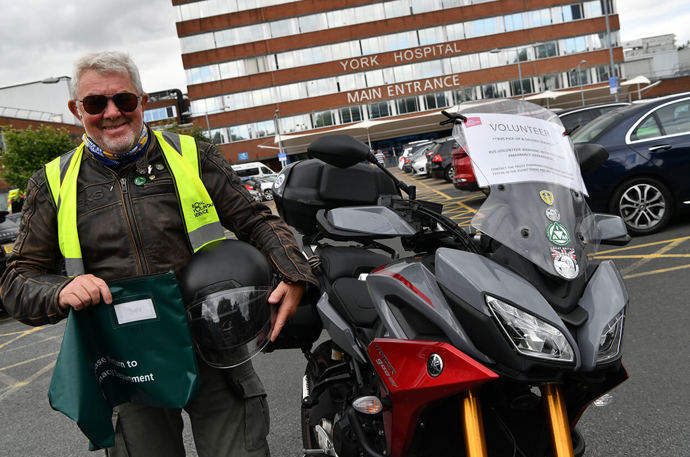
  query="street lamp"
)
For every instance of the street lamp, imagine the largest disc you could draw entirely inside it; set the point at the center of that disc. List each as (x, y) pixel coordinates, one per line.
(522, 90)
(579, 77)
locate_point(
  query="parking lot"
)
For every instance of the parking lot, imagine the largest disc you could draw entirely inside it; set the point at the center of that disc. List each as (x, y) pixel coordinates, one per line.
(647, 415)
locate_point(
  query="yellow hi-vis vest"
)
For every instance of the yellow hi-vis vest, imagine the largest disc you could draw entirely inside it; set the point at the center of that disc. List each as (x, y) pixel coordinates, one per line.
(196, 207)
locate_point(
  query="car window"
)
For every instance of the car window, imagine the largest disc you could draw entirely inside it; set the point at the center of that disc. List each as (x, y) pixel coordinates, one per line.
(579, 118)
(675, 118)
(649, 128)
(266, 170)
(592, 130)
(248, 172)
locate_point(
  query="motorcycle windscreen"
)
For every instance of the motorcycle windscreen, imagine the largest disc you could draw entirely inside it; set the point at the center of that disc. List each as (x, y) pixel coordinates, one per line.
(536, 206)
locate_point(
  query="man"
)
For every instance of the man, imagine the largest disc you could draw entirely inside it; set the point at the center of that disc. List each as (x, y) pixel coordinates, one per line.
(379, 156)
(129, 222)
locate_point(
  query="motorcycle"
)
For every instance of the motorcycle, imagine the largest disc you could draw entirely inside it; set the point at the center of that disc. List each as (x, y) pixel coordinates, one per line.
(489, 341)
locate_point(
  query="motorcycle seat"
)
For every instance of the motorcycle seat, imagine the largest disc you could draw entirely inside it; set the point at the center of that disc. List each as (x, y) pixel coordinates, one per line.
(351, 299)
(349, 261)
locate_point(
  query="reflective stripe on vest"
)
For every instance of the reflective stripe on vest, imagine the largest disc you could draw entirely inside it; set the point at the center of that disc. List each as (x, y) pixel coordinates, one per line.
(196, 207)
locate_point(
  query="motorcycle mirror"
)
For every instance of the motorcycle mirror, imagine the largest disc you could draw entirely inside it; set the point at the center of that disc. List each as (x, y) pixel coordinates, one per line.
(341, 151)
(611, 229)
(590, 156)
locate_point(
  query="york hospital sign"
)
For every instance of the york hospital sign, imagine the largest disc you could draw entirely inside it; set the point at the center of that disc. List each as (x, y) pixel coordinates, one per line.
(404, 88)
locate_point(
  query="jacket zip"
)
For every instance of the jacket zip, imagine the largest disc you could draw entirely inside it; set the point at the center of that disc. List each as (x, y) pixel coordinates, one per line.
(127, 204)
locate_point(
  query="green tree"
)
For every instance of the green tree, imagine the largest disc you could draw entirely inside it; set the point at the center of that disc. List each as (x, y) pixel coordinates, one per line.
(28, 150)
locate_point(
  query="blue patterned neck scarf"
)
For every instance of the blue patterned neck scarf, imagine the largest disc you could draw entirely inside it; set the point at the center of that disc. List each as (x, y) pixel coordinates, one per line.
(109, 158)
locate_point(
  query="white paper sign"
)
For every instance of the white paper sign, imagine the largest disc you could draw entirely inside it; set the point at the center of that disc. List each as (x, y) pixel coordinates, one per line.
(135, 311)
(508, 148)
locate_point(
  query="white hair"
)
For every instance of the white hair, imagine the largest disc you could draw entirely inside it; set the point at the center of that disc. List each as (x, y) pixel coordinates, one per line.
(106, 62)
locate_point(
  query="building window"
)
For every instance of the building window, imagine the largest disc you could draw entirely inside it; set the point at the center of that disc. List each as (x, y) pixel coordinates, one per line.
(324, 119)
(437, 100)
(407, 105)
(350, 114)
(158, 114)
(377, 110)
(239, 133)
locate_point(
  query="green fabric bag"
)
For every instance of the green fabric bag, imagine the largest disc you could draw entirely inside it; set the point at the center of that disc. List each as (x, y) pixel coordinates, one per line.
(138, 350)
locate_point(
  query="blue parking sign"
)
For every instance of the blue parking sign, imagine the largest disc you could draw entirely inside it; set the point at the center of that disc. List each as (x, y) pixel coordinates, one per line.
(243, 156)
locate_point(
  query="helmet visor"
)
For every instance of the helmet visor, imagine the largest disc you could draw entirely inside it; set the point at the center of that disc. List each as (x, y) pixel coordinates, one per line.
(231, 326)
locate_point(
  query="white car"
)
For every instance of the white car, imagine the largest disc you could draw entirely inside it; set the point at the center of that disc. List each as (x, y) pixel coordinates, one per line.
(419, 166)
(410, 149)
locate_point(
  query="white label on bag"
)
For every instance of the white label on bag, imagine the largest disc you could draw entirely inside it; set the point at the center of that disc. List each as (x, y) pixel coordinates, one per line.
(134, 311)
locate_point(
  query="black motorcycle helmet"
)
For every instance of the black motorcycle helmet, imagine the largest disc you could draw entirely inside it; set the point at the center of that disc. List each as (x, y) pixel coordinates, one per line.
(225, 287)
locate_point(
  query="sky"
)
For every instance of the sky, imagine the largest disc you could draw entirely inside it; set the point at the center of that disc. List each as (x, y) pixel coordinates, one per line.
(41, 38)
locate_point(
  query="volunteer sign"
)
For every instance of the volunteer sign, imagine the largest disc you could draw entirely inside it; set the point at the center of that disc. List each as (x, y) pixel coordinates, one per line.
(508, 148)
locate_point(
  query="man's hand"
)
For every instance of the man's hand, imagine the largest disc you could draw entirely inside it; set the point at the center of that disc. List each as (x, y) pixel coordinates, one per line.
(289, 296)
(83, 291)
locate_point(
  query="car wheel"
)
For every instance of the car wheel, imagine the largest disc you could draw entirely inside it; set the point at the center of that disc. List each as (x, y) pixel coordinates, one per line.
(449, 173)
(645, 204)
(268, 194)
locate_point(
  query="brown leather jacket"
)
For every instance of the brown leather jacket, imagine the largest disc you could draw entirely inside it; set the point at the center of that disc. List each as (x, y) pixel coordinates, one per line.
(128, 230)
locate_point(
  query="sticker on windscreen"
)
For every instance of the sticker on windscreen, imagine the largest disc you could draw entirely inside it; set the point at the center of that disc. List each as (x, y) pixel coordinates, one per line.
(565, 263)
(558, 234)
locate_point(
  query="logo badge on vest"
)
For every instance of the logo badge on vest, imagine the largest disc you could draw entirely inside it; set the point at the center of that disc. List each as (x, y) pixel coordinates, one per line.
(201, 208)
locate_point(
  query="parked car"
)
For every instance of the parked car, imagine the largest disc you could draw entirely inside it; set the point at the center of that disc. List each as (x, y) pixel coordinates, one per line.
(409, 150)
(419, 165)
(645, 180)
(253, 189)
(407, 166)
(262, 184)
(463, 178)
(9, 227)
(582, 115)
(440, 163)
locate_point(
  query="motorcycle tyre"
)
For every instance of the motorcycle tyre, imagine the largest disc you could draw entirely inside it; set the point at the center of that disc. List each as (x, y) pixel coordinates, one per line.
(321, 357)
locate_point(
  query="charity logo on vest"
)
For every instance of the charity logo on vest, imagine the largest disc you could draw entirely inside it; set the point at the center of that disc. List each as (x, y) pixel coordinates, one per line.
(201, 208)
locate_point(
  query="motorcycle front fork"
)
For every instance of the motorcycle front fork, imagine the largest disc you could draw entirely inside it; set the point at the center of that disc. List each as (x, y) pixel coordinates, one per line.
(557, 419)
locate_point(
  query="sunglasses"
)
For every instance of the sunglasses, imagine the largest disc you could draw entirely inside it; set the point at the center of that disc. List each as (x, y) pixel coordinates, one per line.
(125, 102)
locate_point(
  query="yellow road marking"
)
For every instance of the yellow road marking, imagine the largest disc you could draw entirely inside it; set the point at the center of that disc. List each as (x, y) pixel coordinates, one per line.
(23, 334)
(29, 360)
(447, 197)
(655, 272)
(656, 243)
(33, 343)
(27, 381)
(673, 244)
(644, 256)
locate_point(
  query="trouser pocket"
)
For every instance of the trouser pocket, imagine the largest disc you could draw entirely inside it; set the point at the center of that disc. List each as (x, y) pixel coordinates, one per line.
(257, 419)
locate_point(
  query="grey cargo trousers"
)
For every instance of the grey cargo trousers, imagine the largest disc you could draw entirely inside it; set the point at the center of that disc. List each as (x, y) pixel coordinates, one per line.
(229, 417)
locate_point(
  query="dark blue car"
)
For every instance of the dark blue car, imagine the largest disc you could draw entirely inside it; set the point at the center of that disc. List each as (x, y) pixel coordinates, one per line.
(646, 179)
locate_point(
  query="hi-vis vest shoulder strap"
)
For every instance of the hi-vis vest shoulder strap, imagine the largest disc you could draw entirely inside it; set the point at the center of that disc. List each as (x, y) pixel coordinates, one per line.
(196, 207)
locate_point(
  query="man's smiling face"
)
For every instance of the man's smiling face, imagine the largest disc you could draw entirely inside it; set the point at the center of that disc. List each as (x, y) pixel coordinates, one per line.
(114, 130)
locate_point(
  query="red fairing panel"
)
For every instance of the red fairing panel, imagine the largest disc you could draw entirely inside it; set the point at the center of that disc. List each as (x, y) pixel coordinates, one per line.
(402, 367)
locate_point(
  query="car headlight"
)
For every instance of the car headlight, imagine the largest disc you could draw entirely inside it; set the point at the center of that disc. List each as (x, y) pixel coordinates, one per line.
(530, 335)
(611, 338)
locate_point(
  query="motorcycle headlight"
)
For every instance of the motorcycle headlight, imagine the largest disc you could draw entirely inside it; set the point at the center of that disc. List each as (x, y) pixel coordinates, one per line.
(530, 335)
(611, 338)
